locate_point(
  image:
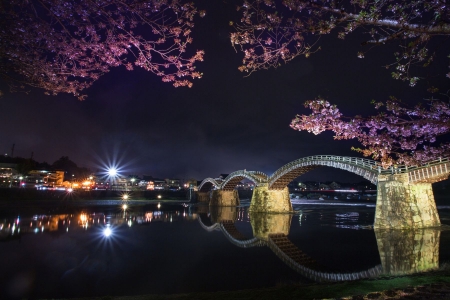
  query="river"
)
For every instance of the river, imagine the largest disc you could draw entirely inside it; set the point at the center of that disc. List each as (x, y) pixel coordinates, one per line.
(99, 248)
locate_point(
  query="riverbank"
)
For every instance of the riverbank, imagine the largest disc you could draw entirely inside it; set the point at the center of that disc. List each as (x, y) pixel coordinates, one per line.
(18, 195)
(431, 285)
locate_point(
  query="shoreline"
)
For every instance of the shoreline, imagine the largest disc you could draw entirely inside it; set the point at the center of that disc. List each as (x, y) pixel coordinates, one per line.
(430, 285)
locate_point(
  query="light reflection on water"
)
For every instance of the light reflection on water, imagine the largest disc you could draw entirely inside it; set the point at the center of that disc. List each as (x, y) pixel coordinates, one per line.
(113, 250)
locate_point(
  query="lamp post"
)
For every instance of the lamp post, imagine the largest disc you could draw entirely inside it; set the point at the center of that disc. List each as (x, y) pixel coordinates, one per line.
(132, 182)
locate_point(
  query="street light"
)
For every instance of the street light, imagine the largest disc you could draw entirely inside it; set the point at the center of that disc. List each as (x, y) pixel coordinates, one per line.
(112, 172)
(132, 182)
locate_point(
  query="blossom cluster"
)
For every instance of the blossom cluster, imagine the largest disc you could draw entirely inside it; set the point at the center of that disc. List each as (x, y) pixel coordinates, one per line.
(273, 32)
(65, 46)
(398, 134)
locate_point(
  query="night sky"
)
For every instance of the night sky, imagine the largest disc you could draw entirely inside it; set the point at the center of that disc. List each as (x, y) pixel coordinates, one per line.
(225, 122)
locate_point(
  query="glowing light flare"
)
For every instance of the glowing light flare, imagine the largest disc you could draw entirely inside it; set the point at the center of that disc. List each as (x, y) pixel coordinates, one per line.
(107, 232)
(124, 207)
(112, 172)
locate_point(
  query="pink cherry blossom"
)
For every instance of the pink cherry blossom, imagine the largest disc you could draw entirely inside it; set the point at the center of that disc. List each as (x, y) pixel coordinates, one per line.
(65, 46)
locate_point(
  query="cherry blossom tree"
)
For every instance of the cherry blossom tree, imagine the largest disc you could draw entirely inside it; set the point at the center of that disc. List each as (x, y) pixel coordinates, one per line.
(397, 135)
(274, 32)
(65, 46)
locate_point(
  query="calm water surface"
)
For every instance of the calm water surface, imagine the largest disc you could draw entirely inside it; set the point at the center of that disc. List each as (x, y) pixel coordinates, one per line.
(97, 250)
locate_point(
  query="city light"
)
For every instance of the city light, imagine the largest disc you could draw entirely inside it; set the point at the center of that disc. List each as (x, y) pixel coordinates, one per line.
(113, 164)
(107, 231)
(124, 207)
(112, 172)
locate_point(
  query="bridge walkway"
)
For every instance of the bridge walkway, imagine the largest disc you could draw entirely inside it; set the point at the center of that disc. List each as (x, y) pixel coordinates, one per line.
(283, 244)
(303, 264)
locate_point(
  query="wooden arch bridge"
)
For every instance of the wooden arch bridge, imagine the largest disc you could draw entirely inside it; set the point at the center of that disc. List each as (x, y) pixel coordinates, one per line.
(271, 230)
(404, 194)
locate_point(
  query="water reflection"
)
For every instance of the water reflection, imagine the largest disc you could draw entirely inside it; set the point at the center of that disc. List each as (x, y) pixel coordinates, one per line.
(408, 251)
(401, 251)
(13, 228)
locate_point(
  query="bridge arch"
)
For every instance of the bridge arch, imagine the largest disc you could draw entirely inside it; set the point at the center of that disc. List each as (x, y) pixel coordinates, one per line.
(207, 184)
(283, 176)
(237, 238)
(234, 178)
(290, 254)
(209, 228)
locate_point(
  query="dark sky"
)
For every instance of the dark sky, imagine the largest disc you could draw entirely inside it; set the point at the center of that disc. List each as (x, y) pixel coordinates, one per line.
(225, 122)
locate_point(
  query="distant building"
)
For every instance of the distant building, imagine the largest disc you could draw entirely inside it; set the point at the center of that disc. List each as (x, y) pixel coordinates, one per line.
(8, 170)
(159, 184)
(173, 184)
(44, 178)
(150, 185)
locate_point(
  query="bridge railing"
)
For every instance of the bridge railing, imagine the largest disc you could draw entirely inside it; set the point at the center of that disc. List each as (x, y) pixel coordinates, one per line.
(210, 180)
(251, 175)
(404, 169)
(364, 163)
(361, 162)
(259, 173)
(347, 159)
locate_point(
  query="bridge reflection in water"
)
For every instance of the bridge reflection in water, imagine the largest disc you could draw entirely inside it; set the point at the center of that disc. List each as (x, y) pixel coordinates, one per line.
(401, 252)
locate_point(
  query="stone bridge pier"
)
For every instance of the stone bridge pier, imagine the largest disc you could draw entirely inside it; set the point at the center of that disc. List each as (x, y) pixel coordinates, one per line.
(404, 205)
(224, 198)
(264, 224)
(272, 201)
(408, 251)
(220, 214)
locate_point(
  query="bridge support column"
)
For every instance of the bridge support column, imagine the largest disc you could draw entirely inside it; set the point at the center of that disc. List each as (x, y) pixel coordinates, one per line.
(220, 214)
(224, 198)
(408, 251)
(274, 201)
(203, 197)
(264, 224)
(403, 205)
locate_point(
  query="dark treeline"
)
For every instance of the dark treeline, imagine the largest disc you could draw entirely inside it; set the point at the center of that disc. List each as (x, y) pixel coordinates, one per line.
(25, 165)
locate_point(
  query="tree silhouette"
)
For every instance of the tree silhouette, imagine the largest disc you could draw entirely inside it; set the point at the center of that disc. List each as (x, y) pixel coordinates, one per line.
(65, 46)
(275, 32)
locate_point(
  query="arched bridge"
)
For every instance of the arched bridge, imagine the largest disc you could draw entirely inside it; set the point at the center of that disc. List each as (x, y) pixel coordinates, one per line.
(369, 169)
(398, 182)
(401, 251)
(290, 254)
(283, 176)
(232, 180)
